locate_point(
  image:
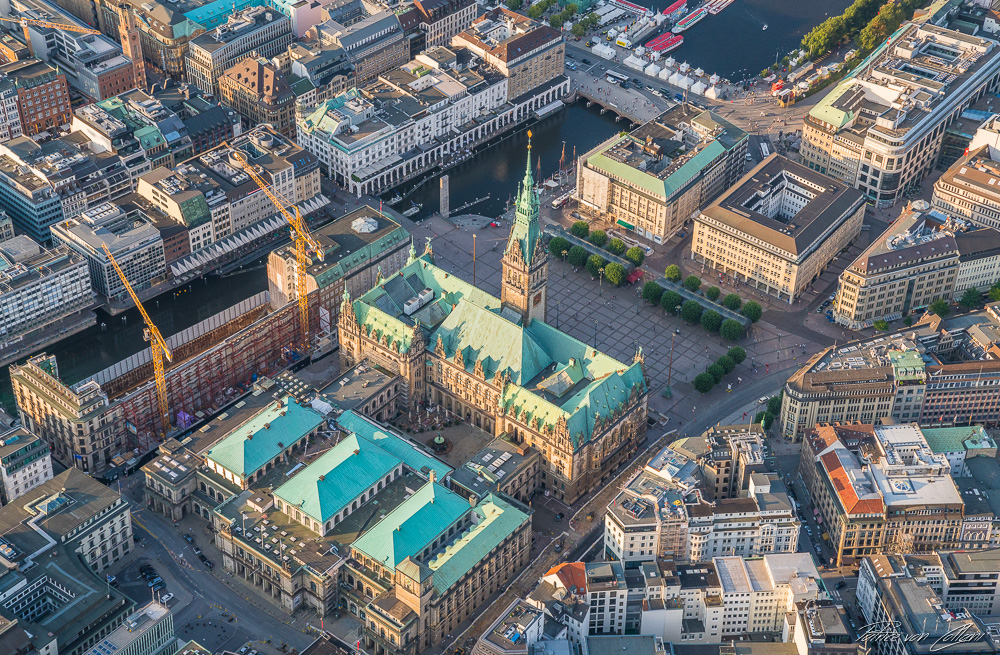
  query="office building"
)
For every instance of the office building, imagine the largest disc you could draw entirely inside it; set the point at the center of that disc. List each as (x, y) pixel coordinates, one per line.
(10, 111)
(42, 97)
(891, 493)
(526, 52)
(25, 463)
(723, 458)
(880, 129)
(415, 118)
(361, 249)
(165, 30)
(924, 256)
(253, 30)
(149, 631)
(208, 123)
(444, 356)
(371, 37)
(260, 94)
(316, 73)
(967, 189)
(39, 288)
(779, 227)
(909, 375)
(651, 180)
(135, 244)
(440, 20)
(515, 633)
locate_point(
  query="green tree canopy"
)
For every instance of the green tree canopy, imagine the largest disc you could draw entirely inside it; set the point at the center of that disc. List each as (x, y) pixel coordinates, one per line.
(970, 298)
(737, 354)
(881, 325)
(691, 311)
(731, 330)
(579, 29)
(717, 372)
(514, 5)
(752, 310)
(940, 307)
(713, 293)
(594, 264)
(703, 383)
(732, 302)
(616, 247)
(774, 405)
(726, 363)
(615, 273)
(636, 255)
(670, 301)
(581, 228)
(558, 245)
(652, 292)
(577, 256)
(711, 320)
(673, 273)
(598, 238)
(692, 283)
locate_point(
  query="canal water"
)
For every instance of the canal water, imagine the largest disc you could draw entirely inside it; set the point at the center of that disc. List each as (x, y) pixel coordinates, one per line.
(731, 44)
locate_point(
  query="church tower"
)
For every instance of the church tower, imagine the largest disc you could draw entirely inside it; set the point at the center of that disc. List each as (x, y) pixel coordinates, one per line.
(525, 261)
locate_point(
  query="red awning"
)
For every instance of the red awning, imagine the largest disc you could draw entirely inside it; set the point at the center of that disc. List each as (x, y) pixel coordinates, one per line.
(634, 275)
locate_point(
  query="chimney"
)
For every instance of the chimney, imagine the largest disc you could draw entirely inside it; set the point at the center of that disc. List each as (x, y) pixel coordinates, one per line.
(433, 476)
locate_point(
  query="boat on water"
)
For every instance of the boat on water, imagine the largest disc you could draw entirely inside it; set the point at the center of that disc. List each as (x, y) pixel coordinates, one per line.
(765, 26)
(413, 210)
(689, 20)
(665, 42)
(393, 200)
(715, 6)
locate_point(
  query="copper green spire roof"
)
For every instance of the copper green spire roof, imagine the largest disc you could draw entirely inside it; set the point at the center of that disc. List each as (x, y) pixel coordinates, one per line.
(526, 230)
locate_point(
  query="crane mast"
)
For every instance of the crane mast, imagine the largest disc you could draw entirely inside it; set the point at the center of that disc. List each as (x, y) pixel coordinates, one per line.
(25, 22)
(303, 241)
(157, 344)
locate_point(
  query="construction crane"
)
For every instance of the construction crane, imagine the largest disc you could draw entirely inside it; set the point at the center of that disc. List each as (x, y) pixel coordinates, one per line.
(157, 344)
(303, 242)
(25, 22)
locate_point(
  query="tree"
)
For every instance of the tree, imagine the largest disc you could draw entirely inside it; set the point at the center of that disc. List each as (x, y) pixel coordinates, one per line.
(994, 293)
(731, 330)
(514, 5)
(577, 256)
(594, 264)
(673, 273)
(753, 311)
(581, 228)
(703, 383)
(711, 320)
(556, 22)
(939, 307)
(881, 325)
(717, 372)
(615, 273)
(536, 10)
(652, 292)
(908, 321)
(558, 245)
(598, 238)
(579, 29)
(732, 302)
(691, 311)
(726, 363)
(774, 405)
(692, 283)
(670, 301)
(737, 354)
(767, 420)
(970, 298)
(616, 246)
(636, 255)
(713, 293)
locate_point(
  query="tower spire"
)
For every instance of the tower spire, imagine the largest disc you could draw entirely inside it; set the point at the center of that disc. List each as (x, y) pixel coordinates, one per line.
(525, 267)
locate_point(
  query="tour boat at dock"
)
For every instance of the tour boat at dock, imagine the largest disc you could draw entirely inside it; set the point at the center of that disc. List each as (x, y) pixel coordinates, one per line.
(665, 43)
(689, 20)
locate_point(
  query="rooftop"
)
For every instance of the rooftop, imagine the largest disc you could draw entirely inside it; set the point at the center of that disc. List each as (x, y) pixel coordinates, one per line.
(916, 237)
(486, 470)
(237, 26)
(132, 630)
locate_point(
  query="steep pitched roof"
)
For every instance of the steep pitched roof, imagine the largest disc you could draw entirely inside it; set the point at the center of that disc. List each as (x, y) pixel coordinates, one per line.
(526, 230)
(846, 492)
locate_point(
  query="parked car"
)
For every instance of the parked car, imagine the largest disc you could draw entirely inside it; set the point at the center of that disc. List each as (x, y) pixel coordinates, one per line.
(167, 598)
(188, 538)
(154, 581)
(575, 214)
(159, 585)
(762, 400)
(840, 585)
(208, 563)
(559, 516)
(197, 551)
(585, 60)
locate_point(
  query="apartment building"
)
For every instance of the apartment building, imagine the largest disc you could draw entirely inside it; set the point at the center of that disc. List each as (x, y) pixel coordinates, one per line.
(25, 463)
(891, 493)
(93, 63)
(149, 631)
(42, 97)
(526, 52)
(10, 113)
(651, 180)
(440, 20)
(881, 128)
(378, 247)
(44, 183)
(371, 37)
(253, 30)
(316, 72)
(39, 287)
(413, 118)
(207, 123)
(924, 256)
(778, 228)
(135, 244)
(260, 94)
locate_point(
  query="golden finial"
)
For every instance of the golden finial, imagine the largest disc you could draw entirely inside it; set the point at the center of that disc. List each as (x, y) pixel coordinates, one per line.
(529, 139)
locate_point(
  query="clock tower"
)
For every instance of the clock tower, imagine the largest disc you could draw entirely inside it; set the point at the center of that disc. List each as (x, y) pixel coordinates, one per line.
(525, 261)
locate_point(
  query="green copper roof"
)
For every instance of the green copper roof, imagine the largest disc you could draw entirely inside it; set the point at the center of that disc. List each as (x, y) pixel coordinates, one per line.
(526, 230)
(674, 182)
(399, 447)
(496, 519)
(342, 474)
(256, 442)
(826, 112)
(410, 528)
(907, 365)
(958, 439)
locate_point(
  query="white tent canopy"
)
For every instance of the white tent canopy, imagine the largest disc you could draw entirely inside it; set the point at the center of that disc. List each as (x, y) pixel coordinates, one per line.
(698, 87)
(651, 70)
(712, 92)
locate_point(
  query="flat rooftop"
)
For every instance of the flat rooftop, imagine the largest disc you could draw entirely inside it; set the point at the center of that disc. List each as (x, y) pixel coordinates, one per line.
(132, 630)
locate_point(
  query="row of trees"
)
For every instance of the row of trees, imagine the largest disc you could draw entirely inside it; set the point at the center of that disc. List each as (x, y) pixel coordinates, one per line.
(585, 24)
(691, 311)
(731, 301)
(871, 21)
(538, 9)
(577, 256)
(773, 410)
(723, 366)
(635, 255)
(557, 20)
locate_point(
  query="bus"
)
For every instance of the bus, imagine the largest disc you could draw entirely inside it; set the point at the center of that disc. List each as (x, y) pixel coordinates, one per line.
(561, 200)
(615, 78)
(764, 150)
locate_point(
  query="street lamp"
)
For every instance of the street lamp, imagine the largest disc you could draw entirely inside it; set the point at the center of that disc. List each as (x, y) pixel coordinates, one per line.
(595, 334)
(600, 288)
(564, 253)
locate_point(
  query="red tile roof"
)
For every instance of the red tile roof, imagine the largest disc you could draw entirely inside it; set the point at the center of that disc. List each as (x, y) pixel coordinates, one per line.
(845, 490)
(571, 574)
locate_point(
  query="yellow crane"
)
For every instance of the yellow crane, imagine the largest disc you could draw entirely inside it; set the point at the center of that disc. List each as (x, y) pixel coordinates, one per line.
(157, 344)
(303, 241)
(25, 22)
